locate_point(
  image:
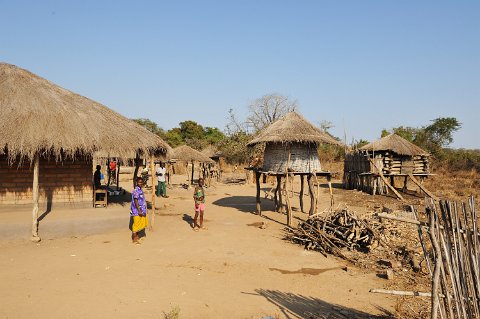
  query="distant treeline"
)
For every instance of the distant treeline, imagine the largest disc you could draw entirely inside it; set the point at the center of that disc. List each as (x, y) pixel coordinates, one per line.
(434, 138)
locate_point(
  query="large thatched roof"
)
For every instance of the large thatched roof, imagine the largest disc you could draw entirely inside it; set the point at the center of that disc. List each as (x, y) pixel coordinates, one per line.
(39, 116)
(293, 128)
(396, 144)
(188, 154)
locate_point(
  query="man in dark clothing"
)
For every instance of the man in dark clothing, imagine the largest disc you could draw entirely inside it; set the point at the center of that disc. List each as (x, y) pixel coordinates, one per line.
(97, 177)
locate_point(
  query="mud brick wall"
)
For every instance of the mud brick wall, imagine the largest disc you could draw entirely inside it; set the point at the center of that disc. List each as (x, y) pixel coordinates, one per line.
(60, 182)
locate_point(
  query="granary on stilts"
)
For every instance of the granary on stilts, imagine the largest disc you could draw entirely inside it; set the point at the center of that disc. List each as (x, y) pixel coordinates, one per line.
(291, 149)
(375, 167)
(48, 138)
(188, 155)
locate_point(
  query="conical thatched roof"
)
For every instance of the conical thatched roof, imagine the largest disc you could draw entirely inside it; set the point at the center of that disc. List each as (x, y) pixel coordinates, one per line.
(39, 116)
(293, 128)
(188, 154)
(211, 151)
(396, 144)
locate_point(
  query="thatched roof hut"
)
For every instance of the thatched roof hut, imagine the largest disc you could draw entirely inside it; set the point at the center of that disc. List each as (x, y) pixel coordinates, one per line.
(294, 141)
(291, 148)
(391, 156)
(37, 116)
(187, 154)
(293, 128)
(56, 132)
(396, 144)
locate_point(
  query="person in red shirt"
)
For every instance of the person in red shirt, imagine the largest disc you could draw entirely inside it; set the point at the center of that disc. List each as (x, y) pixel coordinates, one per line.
(112, 170)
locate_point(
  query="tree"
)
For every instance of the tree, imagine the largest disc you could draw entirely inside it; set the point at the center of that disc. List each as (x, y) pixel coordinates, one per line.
(437, 135)
(174, 137)
(268, 109)
(326, 125)
(213, 135)
(151, 126)
(191, 129)
(234, 126)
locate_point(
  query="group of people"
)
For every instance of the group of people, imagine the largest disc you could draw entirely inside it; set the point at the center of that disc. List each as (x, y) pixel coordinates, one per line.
(98, 176)
(138, 207)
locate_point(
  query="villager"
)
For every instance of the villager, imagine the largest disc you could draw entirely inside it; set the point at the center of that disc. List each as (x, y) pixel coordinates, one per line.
(112, 169)
(199, 197)
(161, 175)
(138, 213)
(97, 177)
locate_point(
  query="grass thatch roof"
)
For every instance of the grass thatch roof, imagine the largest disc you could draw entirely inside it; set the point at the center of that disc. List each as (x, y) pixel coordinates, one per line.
(211, 151)
(293, 128)
(39, 116)
(187, 154)
(396, 144)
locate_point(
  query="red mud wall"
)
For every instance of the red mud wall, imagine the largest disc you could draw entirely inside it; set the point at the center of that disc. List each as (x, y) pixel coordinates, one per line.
(60, 182)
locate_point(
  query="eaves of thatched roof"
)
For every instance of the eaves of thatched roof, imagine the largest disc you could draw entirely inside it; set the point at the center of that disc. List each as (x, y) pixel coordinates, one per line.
(187, 154)
(394, 143)
(39, 116)
(293, 128)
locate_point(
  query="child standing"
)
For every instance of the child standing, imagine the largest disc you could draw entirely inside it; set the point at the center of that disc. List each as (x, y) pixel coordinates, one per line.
(199, 198)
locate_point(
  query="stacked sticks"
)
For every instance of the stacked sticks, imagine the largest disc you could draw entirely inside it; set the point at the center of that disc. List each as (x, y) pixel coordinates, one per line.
(330, 234)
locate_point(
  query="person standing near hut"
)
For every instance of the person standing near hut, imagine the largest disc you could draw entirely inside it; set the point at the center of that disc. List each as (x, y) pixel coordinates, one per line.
(199, 198)
(112, 171)
(97, 177)
(138, 213)
(161, 174)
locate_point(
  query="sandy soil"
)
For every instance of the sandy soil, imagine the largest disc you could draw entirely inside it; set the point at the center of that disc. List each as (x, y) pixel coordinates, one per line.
(86, 265)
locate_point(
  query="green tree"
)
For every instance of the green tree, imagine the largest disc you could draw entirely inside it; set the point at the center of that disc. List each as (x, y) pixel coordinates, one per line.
(213, 135)
(191, 130)
(384, 133)
(437, 135)
(174, 137)
(151, 126)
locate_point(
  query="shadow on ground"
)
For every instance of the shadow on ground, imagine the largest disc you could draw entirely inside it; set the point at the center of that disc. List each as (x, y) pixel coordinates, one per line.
(299, 306)
(245, 204)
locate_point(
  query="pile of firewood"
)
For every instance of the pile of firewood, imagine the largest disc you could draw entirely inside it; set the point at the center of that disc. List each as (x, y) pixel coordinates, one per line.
(328, 235)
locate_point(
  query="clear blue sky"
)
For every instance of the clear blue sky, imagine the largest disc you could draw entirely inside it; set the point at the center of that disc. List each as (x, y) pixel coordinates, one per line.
(363, 65)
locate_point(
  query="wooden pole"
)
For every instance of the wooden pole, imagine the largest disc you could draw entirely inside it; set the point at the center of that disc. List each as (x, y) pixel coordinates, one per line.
(35, 191)
(311, 193)
(108, 170)
(287, 196)
(422, 187)
(152, 212)
(193, 171)
(259, 203)
(302, 181)
(279, 193)
(118, 173)
(385, 181)
(135, 172)
(329, 180)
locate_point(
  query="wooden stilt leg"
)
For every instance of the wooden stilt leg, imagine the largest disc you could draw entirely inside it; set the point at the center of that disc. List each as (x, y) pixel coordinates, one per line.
(311, 192)
(287, 199)
(302, 181)
(279, 192)
(257, 181)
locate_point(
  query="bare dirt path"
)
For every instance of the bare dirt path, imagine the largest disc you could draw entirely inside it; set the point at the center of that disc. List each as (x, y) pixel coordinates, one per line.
(232, 270)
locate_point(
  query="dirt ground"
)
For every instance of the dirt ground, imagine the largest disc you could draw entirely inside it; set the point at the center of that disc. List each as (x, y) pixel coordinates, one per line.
(86, 265)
